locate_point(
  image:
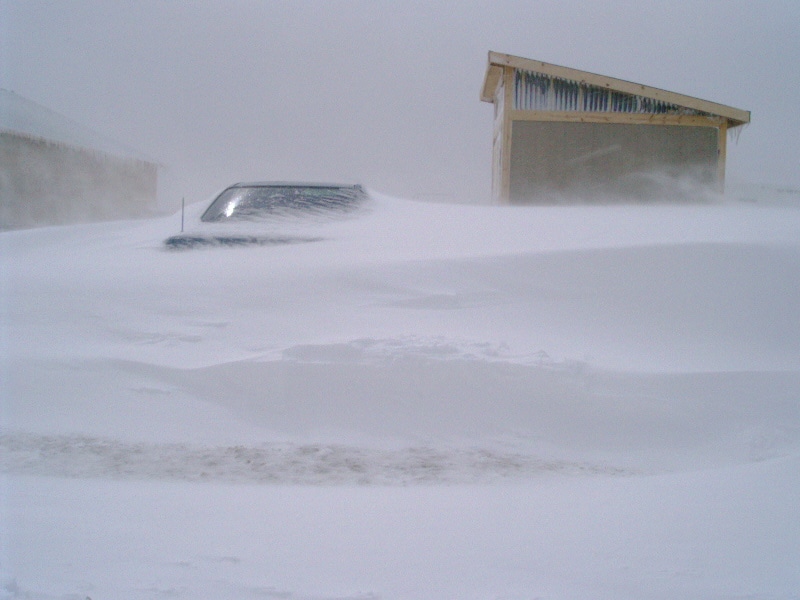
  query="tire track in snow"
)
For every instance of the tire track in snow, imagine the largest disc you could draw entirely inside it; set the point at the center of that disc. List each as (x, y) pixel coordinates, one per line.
(303, 464)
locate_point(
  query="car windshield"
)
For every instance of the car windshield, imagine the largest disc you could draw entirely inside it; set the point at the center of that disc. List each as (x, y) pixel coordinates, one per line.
(254, 202)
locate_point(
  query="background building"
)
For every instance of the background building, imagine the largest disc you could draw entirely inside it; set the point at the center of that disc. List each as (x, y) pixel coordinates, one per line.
(563, 135)
(54, 171)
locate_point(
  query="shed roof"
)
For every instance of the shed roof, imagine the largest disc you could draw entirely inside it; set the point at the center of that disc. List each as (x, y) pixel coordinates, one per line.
(26, 118)
(494, 71)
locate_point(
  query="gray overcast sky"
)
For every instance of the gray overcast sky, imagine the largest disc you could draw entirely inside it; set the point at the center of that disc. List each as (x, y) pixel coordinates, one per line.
(384, 93)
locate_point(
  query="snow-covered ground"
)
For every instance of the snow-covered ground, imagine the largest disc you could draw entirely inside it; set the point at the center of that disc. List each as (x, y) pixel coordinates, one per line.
(435, 401)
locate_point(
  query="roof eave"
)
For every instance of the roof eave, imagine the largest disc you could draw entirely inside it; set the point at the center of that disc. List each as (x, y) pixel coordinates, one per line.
(734, 116)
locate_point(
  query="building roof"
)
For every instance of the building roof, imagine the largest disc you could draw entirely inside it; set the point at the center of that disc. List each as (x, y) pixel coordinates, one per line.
(498, 61)
(23, 117)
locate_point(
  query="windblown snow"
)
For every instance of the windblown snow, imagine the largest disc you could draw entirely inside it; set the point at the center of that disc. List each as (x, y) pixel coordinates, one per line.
(430, 401)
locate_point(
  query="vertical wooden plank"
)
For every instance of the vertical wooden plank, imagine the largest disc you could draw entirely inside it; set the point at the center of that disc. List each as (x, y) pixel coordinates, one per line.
(495, 167)
(505, 157)
(498, 94)
(722, 143)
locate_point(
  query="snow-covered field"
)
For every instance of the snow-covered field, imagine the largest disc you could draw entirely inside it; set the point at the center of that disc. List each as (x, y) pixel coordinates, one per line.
(433, 402)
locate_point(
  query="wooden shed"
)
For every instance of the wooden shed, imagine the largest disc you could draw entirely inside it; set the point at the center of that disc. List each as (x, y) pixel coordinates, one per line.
(564, 135)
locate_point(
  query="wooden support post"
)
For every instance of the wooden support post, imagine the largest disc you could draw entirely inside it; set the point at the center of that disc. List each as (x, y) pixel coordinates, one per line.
(505, 158)
(722, 142)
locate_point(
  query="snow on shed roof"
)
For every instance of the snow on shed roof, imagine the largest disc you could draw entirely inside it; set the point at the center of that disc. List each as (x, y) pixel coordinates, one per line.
(497, 61)
(21, 116)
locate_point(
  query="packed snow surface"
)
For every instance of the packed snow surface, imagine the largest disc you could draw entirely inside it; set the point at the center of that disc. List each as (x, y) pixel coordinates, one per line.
(428, 401)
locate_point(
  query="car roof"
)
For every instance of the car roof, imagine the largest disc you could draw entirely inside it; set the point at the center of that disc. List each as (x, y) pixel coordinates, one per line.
(304, 184)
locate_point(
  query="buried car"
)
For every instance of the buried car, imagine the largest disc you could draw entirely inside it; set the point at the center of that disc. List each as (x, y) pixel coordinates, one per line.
(269, 213)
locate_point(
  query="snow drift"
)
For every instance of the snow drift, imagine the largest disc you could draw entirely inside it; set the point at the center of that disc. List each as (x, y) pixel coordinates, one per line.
(607, 361)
